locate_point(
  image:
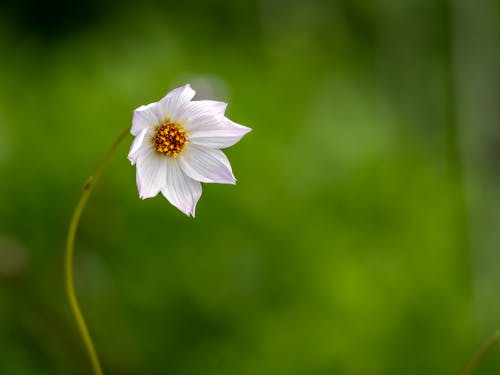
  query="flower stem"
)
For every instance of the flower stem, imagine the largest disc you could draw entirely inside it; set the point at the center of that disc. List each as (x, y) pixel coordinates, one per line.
(70, 242)
(479, 355)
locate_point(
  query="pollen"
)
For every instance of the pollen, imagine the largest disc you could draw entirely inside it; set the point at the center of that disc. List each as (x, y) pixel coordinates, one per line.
(170, 139)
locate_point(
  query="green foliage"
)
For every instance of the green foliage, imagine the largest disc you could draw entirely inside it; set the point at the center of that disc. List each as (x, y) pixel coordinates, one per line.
(343, 249)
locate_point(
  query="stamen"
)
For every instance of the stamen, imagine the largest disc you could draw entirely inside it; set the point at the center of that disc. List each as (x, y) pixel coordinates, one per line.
(169, 139)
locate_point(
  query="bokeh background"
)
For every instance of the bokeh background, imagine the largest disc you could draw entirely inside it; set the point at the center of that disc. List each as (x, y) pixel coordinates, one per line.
(362, 236)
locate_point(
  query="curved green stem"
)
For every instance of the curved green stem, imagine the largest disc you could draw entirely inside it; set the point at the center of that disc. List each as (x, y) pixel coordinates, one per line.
(70, 242)
(479, 355)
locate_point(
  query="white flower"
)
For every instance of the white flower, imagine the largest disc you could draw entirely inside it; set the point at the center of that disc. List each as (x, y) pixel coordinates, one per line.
(177, 146)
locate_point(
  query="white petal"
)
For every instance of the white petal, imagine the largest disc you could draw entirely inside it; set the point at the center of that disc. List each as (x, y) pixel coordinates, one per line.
(151, 170)
(206, 165)
(180, 190)
(223, 135)
(144, 117)
(173, 104)
(209, 106)
(140, 145)
(202, 114)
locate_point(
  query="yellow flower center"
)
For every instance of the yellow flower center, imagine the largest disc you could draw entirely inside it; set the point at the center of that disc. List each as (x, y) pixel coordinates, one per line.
(170, 139)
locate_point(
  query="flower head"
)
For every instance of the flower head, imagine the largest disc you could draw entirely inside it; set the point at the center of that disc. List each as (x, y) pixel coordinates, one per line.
(177, 146)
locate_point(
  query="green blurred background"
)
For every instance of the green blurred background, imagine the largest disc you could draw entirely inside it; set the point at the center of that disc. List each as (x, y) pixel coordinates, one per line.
(362, 236)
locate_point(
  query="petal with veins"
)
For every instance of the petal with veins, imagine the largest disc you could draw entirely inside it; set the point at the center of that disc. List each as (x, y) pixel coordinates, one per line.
(205, 106)
(206, 165)
(180, 190)
(151, 170)
(224, 135)
(144, 117)
(140, 145)
(173, 104)
(202, 114)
